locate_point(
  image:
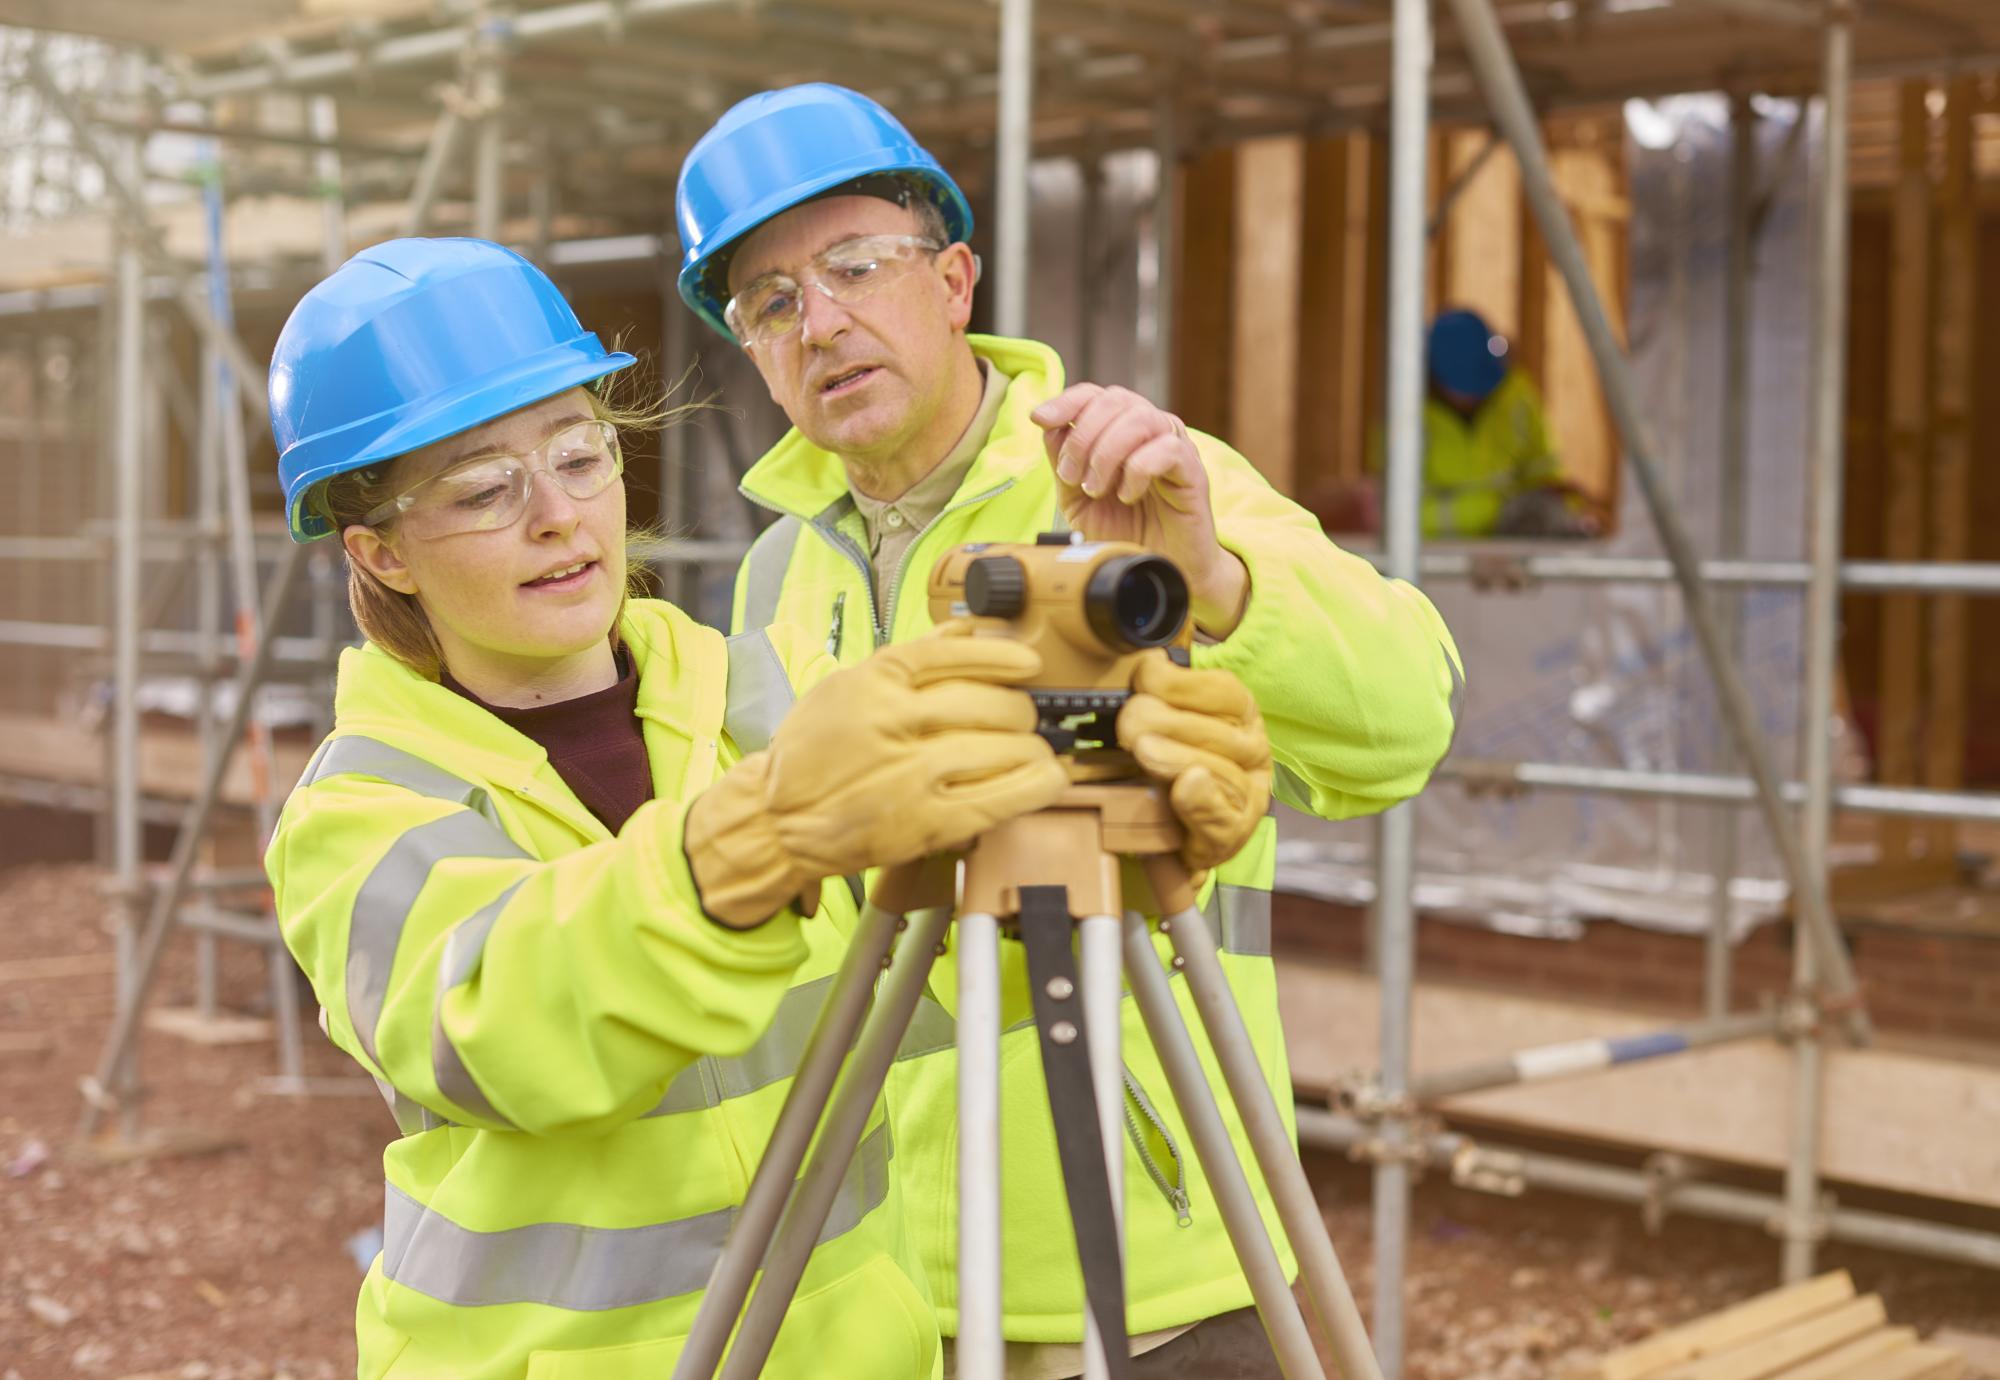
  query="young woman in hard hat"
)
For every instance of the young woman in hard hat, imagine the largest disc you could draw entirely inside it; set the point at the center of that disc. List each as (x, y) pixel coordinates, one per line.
(546, 876)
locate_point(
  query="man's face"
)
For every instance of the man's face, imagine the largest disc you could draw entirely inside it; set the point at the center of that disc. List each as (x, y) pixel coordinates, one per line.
(860, 379)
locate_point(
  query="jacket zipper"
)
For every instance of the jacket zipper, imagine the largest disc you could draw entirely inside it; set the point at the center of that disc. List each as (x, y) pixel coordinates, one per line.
(903, 566)
(839, 625)
(1175, 1189)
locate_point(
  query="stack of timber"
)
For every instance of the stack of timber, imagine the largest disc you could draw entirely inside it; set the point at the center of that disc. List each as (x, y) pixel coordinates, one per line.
(1817, 1330)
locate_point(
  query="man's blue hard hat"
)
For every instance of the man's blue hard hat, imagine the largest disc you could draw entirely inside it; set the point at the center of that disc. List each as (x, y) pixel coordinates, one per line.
(1466, 356)
(409, 342)
(772, 151)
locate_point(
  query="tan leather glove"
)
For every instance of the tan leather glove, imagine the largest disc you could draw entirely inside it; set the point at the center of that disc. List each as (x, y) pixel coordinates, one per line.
(917, 750)
(1200, 732)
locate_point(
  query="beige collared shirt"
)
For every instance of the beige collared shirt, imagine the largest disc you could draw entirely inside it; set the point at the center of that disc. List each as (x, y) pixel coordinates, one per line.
(893, 524)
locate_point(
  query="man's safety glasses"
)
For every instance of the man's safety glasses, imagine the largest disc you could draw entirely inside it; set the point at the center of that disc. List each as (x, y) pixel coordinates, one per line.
(849, 272)
(491, 492)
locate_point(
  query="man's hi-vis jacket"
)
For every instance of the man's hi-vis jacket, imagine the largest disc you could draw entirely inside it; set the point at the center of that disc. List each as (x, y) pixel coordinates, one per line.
(1359, 683)
(584, 1068)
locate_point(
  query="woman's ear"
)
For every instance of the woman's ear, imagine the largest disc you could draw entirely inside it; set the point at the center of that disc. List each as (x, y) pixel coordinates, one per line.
(368, 549)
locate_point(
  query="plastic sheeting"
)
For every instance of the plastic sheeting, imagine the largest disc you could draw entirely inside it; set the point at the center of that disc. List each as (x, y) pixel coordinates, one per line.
(1609, 675)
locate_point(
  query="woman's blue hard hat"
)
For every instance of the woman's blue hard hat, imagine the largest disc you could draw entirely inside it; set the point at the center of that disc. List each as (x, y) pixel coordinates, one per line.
(776, 150)
(1466, 355)
(409, 342)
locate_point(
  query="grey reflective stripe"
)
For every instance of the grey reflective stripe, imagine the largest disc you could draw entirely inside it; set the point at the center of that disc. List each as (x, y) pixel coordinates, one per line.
(760, 692)
(1241, 919)
(382, 905)
(776, 1056)
(764, 571)
(1288, 786)
(589, 1269)
(463, 948)
(931, 1029)
(412, 1117)
(353, 755)
(1457, 689)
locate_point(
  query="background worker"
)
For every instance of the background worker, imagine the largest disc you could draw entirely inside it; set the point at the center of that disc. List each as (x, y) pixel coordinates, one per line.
(548, 880)
(1490, 468)
(822, 238)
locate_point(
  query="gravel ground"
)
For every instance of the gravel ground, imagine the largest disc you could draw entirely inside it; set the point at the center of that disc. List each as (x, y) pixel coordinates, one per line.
(235, 1265)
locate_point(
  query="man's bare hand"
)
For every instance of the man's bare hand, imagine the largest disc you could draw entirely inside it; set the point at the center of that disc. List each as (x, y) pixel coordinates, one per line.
(1128, 471)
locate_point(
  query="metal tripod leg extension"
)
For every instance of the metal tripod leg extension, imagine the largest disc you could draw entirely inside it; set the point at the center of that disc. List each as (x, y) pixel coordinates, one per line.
(1100, 963)
(1272, 1292)
(1326, 1283)
(981, 1347)
(840, 1134)
(832, 1036)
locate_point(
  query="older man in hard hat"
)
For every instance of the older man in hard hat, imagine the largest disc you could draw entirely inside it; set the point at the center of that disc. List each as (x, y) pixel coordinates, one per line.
(832, 247)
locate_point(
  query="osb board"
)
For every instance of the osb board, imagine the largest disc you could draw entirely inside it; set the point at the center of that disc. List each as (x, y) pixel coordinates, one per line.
(1892, 1120)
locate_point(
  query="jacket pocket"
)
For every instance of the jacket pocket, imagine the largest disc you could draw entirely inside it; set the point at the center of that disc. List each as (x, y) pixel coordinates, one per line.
(633, 1361)
(1154, 1144)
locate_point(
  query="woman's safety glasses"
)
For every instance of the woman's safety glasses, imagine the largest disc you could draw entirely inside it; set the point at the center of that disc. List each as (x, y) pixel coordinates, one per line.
(491, 492)
(849, 272)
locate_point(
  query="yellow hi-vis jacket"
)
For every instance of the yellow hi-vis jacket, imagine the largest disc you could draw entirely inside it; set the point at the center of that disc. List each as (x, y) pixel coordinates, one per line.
(1472, 466)
(585, 1069)
(1358, 681)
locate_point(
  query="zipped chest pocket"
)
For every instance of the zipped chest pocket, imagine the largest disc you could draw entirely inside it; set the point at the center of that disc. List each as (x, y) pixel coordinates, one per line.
(1154, 1144)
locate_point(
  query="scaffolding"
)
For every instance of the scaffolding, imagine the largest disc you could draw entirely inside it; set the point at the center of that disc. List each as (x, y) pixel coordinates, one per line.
(1078, 81)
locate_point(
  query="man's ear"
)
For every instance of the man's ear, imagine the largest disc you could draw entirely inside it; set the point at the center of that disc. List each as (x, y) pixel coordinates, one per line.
(367, 548)
(958, 270)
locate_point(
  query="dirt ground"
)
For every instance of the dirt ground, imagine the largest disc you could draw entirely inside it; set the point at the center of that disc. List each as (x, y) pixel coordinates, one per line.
(236, 1265)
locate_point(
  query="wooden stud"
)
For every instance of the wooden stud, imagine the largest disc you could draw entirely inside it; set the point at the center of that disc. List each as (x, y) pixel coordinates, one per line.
(1914, 1363)
(1326, 351)
(1762, 1357)
(1951, 460)
(1719, 1331)
(1202, 307)
(1264, 325)
(1480, 242)
(1902, 654)
(1862, 1350)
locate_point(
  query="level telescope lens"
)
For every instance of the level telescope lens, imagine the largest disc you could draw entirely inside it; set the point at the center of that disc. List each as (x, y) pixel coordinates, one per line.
(1137, 601)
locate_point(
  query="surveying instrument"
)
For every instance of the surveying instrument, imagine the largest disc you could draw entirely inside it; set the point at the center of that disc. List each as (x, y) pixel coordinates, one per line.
(1073, 884)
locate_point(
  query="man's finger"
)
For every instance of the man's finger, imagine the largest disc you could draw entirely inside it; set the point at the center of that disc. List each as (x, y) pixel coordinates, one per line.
(1145, 716)
(1063, 408)
(1156, 459)
(1204, 692)
(1123, 435)
(957, 656)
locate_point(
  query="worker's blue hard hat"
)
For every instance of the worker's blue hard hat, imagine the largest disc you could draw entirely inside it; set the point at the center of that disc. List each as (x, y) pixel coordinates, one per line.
(1466, 356)
(409, 342)
(772, 151)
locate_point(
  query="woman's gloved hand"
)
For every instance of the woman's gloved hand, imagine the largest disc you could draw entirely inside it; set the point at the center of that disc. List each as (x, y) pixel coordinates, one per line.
(917, 750)
(1200, 733)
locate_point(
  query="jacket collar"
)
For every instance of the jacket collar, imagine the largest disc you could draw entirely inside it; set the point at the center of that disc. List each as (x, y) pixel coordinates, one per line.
(797, 477)
(379, 696)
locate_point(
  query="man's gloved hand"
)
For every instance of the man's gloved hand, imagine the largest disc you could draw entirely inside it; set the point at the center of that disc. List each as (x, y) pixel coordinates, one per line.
(1200, 732)
(916, 750)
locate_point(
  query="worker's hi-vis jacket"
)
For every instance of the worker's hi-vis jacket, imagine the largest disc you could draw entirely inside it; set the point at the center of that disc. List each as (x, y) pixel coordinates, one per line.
(1473, 466)
(1358, 681)
(585, 1069)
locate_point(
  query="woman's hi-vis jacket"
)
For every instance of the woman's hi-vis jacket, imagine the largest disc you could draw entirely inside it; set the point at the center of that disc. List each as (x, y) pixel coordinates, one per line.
(585, 1069)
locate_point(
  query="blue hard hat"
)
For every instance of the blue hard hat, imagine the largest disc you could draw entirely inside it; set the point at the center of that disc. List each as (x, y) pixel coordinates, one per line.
(1466, 356)
(772, 151)
(409, 342)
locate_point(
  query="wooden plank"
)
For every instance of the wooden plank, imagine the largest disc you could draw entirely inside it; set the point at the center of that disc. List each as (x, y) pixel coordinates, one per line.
(1981, 1350)
(1480, 242)
(1202, 304)
(1264, 320)
(1868, 1347)
(1761, 1357)
(57, 966)
(1330, 302)
(1951, 461)
(1720, 1331)
(1902, 655)
(1882, 1125)
(1916, 1363)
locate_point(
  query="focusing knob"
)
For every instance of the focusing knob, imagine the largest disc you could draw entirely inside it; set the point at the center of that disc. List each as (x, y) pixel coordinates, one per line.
(996, 587)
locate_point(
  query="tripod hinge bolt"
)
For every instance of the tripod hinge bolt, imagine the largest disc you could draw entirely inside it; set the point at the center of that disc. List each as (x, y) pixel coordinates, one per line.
(1063, 1033)
(1179, 963)
(1061, 988)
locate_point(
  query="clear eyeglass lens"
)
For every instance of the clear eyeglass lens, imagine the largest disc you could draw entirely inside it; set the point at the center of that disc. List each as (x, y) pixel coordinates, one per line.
(489, 494)
(847, 273)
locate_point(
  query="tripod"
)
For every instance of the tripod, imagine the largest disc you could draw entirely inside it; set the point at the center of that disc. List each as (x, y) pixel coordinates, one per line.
(1043, 876)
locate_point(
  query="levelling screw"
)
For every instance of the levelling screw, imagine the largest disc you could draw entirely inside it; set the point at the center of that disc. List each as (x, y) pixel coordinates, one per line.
(1063, 1033)
(1060, 988)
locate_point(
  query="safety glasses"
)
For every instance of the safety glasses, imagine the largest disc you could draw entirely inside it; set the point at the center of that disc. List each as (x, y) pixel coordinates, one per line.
(491, 492)
(849, 272)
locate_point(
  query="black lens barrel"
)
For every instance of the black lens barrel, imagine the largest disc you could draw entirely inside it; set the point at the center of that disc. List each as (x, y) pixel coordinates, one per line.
(1136, 601)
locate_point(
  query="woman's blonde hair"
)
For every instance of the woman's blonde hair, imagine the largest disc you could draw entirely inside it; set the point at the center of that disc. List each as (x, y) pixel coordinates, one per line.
(395, 621)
